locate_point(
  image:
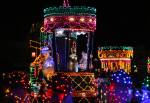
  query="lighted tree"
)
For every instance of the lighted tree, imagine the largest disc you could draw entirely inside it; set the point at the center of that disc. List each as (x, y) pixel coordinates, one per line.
(120, 87)
(146, 83)
(121, 77)
(143, 96)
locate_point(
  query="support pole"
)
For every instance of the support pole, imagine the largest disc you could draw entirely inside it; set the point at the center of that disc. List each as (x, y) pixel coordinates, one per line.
(88, 51)
(67, 50)
(54, 50)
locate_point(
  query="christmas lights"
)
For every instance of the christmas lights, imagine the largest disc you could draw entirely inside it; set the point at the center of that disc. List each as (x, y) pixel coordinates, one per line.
(73, 23)
(61, 29)
(148, 65)
(121, 77)
(120, 86)
(76, 10)
(146, 83)
(116, 48)
(114, 58)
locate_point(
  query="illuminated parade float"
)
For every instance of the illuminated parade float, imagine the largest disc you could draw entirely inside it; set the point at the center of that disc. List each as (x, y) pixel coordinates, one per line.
(66, 43)
(61, 68)
(116, 57)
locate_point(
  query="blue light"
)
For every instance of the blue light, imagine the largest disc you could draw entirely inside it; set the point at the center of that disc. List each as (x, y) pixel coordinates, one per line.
(44, 50)
(136, 95)
(49, 63)
(145, 93)
(147, 97)
(130, 91)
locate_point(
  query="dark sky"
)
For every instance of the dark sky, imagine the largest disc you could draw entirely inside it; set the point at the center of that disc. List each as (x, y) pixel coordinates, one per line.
(118, 23)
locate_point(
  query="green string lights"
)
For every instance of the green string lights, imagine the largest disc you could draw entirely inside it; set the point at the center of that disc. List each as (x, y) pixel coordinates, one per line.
(76, 10)
(146, 82)
(116, 48)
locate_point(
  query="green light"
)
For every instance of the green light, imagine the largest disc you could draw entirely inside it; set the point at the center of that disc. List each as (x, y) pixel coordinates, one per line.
(116, 48)
(76, 10)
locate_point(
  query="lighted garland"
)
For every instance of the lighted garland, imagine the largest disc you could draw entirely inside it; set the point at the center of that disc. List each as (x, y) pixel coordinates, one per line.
(115, 52)
(71, 18)
(116, 48)
(71, 22)
(76, 10)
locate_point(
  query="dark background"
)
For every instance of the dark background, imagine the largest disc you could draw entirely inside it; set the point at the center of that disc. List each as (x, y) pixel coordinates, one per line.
(118, 23)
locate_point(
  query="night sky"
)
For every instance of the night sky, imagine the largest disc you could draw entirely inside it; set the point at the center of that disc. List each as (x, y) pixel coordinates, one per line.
(118, 23)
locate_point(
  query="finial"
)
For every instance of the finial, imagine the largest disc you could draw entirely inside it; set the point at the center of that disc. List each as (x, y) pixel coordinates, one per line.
(66, 3)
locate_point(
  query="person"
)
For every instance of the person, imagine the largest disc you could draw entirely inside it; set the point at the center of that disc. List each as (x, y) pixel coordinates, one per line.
(73, 64)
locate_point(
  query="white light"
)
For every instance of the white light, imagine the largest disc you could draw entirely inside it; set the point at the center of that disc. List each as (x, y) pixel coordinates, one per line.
(83, 94)
(52, 19)
(60, 31)
(33, 54)
(104, 94)
(90, 20)
(71, 19)
(83, 33)
(82, 19)
(79, 33)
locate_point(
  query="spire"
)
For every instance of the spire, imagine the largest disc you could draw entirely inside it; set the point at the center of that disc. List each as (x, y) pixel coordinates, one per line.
(66, 3)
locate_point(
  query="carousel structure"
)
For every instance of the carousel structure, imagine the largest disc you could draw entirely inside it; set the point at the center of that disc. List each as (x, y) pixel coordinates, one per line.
(66, 43)
(116, 57)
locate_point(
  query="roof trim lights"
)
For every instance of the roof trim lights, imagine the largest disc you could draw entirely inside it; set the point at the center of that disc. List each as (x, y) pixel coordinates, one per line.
(127, 59)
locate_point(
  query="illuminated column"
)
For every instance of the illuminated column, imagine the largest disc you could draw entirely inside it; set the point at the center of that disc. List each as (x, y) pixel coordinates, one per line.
(54, 51)
(111, 66)
(88, 50)
(67, 50)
